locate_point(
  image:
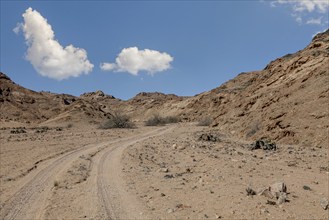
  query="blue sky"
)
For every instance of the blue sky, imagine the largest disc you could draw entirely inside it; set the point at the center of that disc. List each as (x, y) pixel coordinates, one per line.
(180, 47)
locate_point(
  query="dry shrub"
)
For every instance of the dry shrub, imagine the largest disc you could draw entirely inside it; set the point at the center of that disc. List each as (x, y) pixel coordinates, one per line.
(118, 120)
(157, 120)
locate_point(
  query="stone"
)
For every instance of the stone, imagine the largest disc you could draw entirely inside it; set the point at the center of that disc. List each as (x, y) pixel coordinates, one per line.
(324, 203)
(169, 176)
(269, 202)
(306, 187)
(265, 192)
(277, 191)
(250, 191)
(181, 147)
(163, 170)
(282, 198)
(208, 137)
(277, 188)
(218, 216)
(264, 144)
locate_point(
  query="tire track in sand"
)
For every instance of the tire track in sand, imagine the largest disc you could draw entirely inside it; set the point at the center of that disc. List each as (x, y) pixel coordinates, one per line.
(29, 201)
(116, 202)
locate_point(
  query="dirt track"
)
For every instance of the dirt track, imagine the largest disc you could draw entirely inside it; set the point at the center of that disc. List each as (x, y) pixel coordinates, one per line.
(51, 188)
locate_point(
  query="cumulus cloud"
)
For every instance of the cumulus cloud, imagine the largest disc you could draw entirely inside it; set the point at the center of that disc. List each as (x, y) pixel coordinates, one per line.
(303, 8)
(46, 54)
(133, 60)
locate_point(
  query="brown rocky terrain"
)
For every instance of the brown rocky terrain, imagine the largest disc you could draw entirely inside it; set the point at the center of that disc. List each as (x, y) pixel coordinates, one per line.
(56, 162)
(287, 101)
(24, 106)
(183, 175)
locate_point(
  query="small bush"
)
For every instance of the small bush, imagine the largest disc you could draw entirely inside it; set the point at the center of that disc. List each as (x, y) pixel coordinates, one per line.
(205, 121)
(157, 120)
(118, 120)
(171, 119)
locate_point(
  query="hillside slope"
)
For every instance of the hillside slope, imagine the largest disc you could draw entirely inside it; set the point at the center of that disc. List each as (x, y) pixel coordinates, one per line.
(287, 101)
(21, 105)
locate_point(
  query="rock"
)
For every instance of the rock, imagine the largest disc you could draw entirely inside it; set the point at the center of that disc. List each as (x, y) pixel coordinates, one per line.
(269, 202)
(250, 191)
(282, 198)
(163, 170)
(292, 163)
(189, 170)
(217, 216)
(181, 147)
(208, 137)
(265, 192)
(264, 144)
(170, 211)
(277, 191)
(174, 146)
(169, 176)
(277, 188)
(182, 206)
(324, 203)
(306, 187)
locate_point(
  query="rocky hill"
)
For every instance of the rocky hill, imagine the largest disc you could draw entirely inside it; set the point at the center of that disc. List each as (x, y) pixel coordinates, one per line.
(21, 105)
(287, 101)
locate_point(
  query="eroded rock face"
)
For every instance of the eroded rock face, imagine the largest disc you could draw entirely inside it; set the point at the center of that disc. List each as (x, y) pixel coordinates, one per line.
(96, 95)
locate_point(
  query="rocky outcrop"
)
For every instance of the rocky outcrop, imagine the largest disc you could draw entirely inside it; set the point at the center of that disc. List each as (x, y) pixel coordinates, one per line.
(96, 95)
(286, 102)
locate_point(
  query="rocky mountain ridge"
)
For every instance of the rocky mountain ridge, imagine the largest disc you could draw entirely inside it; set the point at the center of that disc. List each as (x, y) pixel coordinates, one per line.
(287, 101)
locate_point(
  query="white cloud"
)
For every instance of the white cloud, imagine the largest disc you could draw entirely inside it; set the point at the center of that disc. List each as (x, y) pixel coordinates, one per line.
(45, 53)
(305, 5)
(18, 28)
(133, 60)
(303, 8)
(298, 18)
(108, 66)
(316, 21)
